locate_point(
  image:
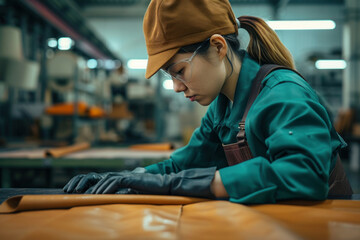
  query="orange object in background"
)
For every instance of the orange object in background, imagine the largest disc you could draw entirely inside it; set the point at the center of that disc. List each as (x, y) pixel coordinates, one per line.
(120, 111)
(83, 110)
(62, 151)
(95, 112)
(153, 146)
(344, 121)
(67, 109)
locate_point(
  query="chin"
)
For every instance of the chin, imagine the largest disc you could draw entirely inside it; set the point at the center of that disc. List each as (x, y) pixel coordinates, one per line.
(205, 102)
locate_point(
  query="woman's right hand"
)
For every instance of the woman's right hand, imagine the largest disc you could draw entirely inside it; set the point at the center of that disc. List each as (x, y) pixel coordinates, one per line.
(81, 183)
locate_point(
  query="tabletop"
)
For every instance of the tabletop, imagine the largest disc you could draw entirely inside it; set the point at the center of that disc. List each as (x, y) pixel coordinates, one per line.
(115, 216)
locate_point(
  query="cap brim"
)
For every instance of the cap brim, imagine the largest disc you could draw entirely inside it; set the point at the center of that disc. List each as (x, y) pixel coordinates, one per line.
(156, 61)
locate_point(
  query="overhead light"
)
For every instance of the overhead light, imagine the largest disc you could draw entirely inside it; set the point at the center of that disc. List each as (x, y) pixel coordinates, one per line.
(137, 63)
(330, 64)
(302, 25)
(168, 84)
(109, 64)
(52, 42)
(91, 63)
(65, 43)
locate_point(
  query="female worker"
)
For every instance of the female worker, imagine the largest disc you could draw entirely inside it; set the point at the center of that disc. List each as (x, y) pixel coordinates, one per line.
(290, 135)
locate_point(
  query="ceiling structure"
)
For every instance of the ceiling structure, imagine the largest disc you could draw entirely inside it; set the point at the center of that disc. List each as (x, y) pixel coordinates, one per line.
(62, 17)
(70, 17)
(137, 8)
(92, 3)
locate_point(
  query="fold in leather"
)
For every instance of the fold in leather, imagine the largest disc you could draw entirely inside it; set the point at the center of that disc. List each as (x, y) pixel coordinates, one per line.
(226, 220)
(41, 202)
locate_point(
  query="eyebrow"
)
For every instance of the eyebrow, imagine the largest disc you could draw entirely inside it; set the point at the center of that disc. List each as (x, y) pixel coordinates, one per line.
(168, 66)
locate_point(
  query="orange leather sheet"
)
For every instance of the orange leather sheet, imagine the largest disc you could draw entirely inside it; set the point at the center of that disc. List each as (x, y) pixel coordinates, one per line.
(172, 217)
(153, 146)
(41, 202)
(62, 151)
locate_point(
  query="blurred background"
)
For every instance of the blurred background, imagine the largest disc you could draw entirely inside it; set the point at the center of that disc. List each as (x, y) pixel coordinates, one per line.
(72, 71)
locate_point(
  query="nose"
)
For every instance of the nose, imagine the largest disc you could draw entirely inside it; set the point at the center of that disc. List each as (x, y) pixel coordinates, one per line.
(178, 85)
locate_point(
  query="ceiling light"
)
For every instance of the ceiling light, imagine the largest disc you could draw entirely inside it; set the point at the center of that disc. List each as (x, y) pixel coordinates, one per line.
(52, 42)
(330, 64)
(91, 63)
(137, 63)
(65, 43)
(109, 64)
(302, 25)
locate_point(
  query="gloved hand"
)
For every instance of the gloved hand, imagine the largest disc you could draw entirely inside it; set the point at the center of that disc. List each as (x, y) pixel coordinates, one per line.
(192, 182)
(83, 182)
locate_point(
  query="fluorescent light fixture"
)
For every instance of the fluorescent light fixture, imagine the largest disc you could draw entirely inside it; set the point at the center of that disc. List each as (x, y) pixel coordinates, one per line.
(65, 43)
(52, 42)
(91, 63)
(330, 64)
(137, 63)
(168, 84)
(109, 64)
(302, 25)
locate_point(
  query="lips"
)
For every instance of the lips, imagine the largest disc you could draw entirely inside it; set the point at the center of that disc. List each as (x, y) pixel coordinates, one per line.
(192, 98)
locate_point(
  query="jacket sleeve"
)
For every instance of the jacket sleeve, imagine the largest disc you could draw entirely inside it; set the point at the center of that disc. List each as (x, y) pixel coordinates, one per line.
(296, 131)
(203, 150)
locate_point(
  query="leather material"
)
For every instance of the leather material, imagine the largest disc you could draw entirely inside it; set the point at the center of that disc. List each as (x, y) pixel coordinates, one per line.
(237, 153)
(330, 219)
(141, 219)
(62, 151)
(224, 220)
(41, 202)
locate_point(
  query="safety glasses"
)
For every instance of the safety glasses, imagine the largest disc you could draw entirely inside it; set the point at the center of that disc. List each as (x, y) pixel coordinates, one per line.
(182, 69)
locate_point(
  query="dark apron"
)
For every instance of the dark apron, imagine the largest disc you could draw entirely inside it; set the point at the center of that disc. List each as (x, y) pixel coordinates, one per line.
(239, 152)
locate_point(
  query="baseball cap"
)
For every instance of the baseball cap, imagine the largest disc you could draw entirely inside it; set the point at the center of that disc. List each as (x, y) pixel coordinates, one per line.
(171, 24)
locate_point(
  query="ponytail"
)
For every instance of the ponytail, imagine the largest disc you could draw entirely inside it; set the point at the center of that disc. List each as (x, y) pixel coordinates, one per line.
(265, 46)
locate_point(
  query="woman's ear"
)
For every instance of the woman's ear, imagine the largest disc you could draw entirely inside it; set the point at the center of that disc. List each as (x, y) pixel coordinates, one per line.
(219, 42)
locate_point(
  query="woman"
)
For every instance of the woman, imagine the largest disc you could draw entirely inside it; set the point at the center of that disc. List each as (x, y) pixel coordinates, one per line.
(288, 131)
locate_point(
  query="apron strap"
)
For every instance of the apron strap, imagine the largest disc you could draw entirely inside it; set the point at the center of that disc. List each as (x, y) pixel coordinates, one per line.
(256, 88)
(338, 182)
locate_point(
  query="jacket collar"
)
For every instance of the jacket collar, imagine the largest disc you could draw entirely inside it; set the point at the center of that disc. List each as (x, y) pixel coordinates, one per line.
(249, 69)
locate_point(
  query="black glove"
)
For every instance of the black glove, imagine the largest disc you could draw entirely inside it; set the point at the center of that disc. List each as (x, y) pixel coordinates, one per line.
(192, 182)
(82, 183)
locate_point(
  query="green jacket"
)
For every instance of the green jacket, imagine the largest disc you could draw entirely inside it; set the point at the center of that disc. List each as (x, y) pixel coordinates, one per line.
(288, 130)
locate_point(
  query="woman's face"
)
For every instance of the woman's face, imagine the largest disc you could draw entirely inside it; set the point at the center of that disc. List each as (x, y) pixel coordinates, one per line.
(202, 78)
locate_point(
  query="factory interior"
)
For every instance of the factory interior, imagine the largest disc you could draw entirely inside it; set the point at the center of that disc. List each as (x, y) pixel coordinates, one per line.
(72, 75)
(165, 119)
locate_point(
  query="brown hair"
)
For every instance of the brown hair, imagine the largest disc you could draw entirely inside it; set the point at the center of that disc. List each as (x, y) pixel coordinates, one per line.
(265, 46)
